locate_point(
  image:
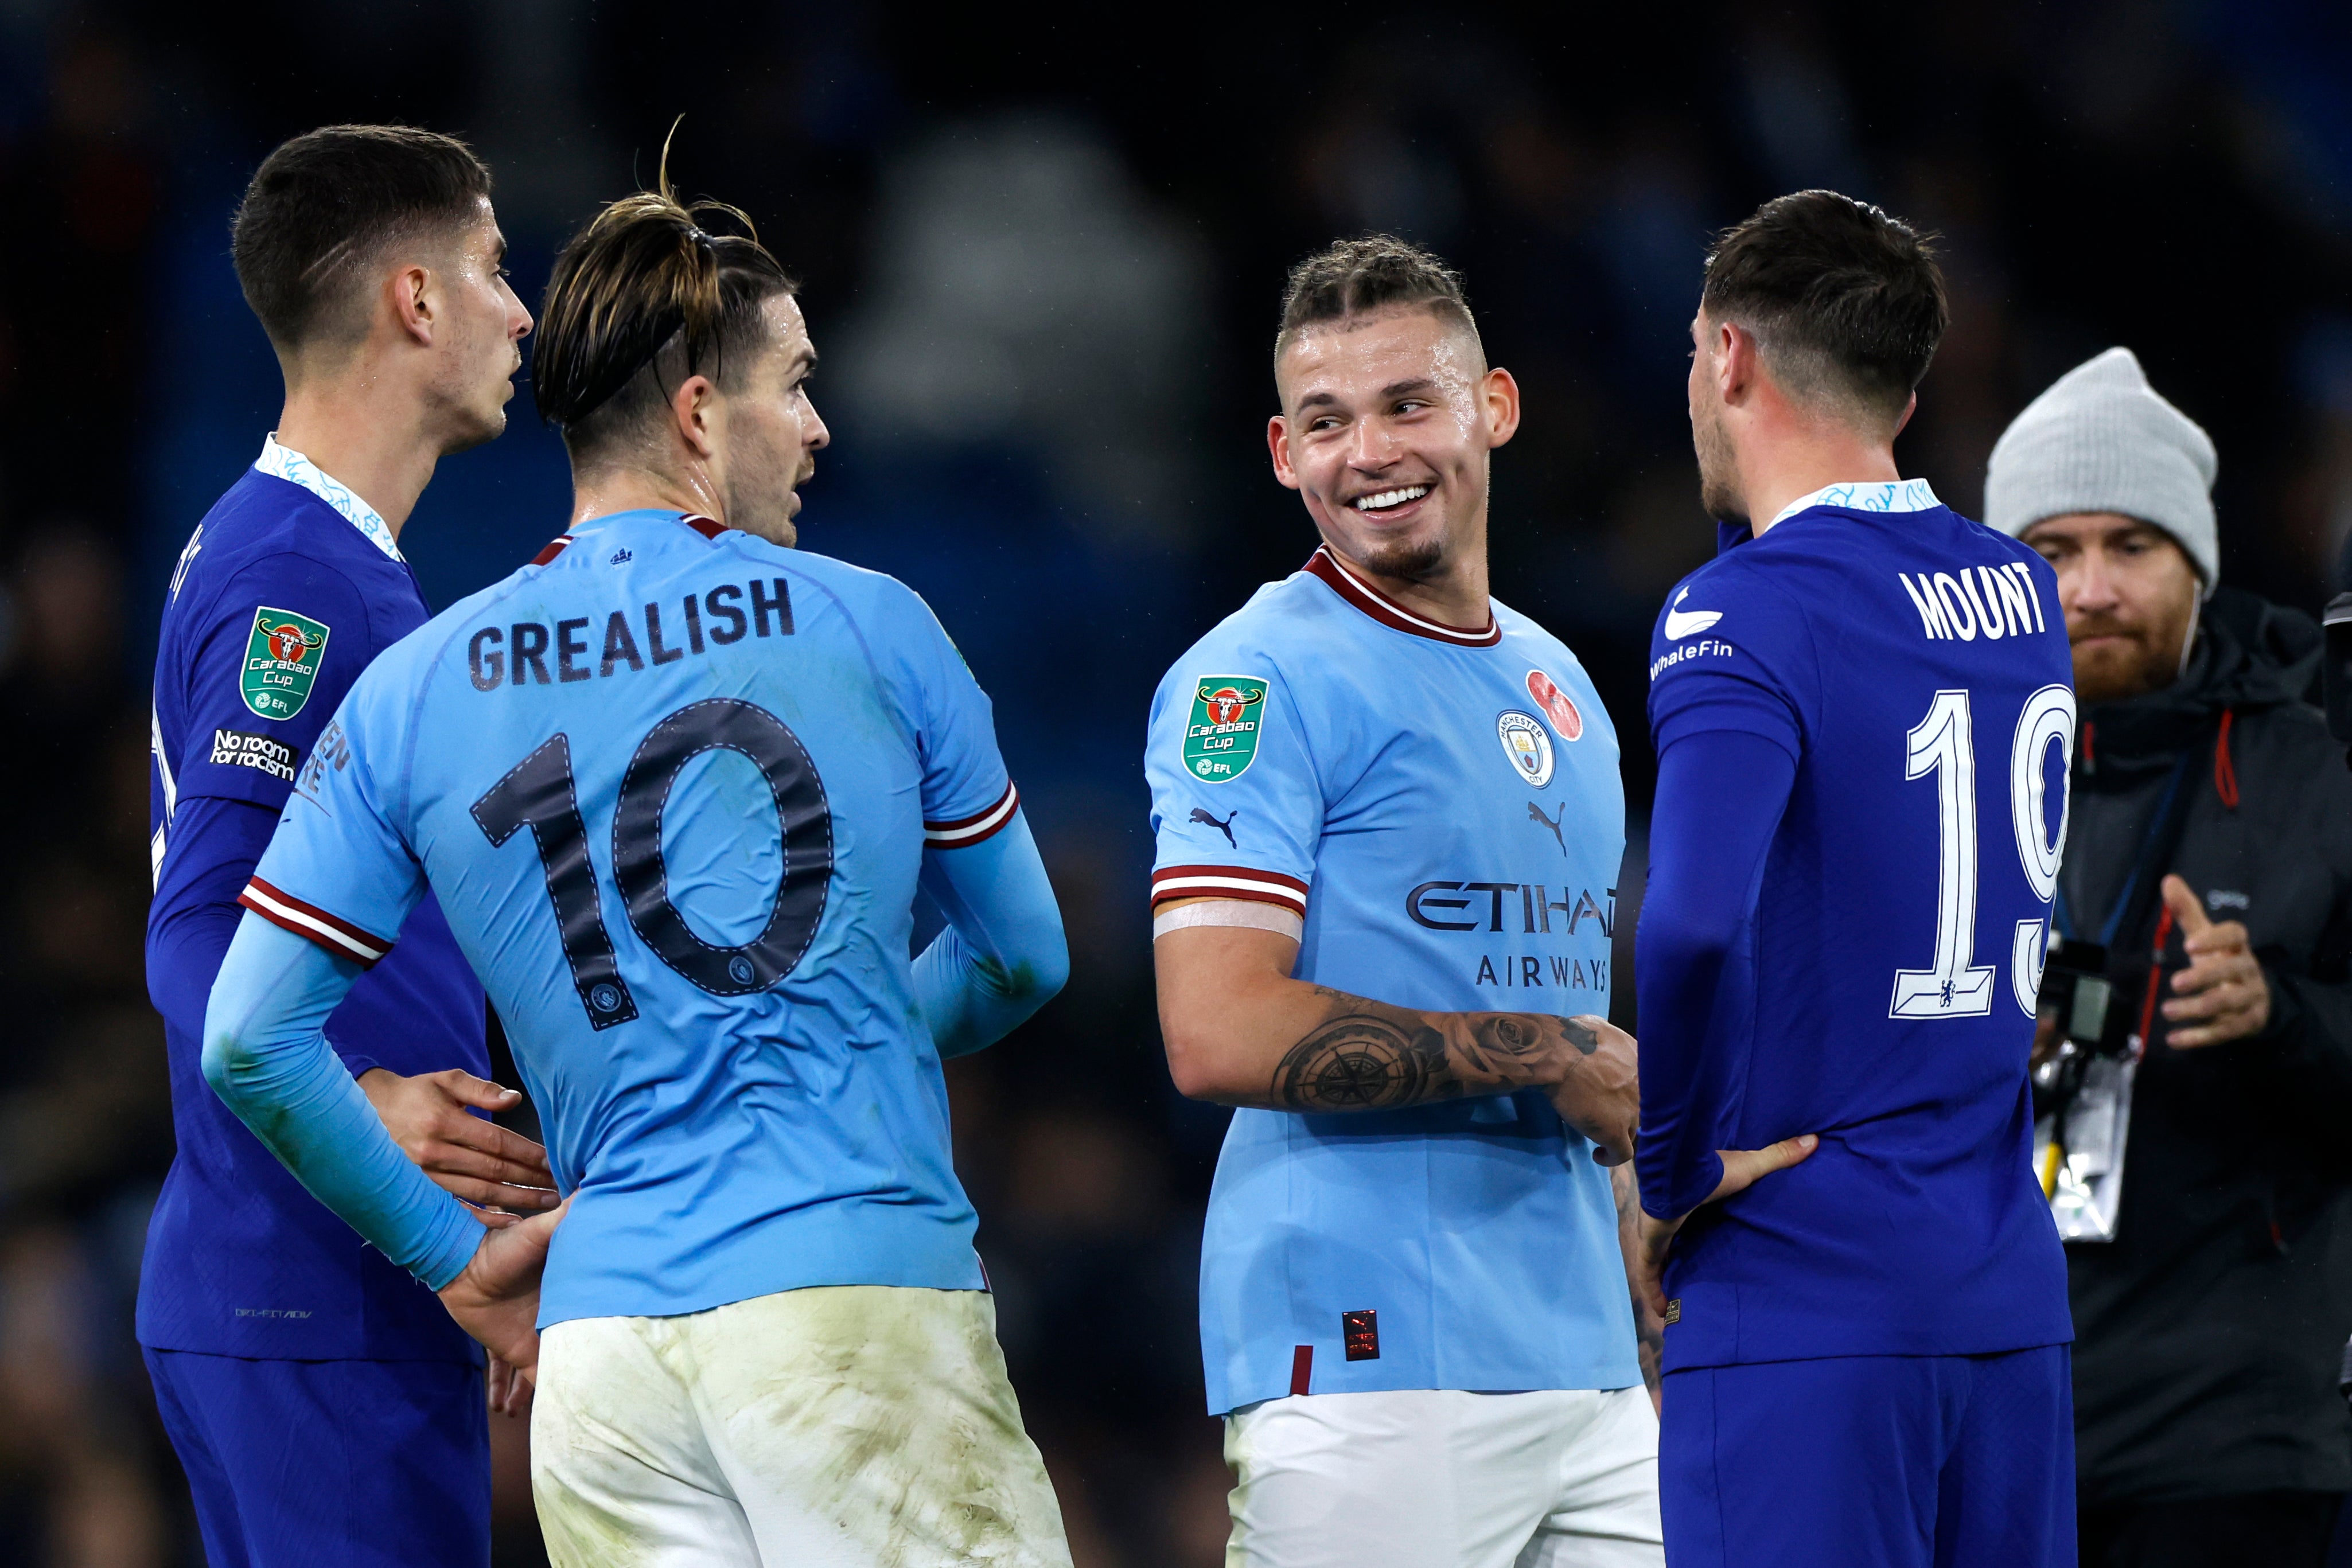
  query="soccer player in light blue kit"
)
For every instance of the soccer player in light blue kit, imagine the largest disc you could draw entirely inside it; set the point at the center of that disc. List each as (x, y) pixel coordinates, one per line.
(1864, 709)
(1389, 824)
(676, 783)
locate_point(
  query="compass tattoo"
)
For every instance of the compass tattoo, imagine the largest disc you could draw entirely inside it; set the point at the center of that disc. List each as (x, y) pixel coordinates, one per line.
(1369, 1056)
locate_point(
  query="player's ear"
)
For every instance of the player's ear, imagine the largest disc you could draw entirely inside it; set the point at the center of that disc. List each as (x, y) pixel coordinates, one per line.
(409, 291)
(1499, 392)
(1277, 442)
(1736, 366)
(691, 412)
(1910, 407)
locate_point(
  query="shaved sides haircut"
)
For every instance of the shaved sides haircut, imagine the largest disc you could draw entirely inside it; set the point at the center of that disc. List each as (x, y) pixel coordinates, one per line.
(1367, 276)
(1846, 302)
(322, 207)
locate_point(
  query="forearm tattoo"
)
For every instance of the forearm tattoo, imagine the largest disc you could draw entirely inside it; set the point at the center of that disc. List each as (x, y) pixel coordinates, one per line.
(1369, 1056)
(1649, 1334)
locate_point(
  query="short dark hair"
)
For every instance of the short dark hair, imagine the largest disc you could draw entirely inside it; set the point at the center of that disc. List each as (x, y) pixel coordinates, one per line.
(641, 295)
(325, 205)
(1373, 272)
(1847, 303)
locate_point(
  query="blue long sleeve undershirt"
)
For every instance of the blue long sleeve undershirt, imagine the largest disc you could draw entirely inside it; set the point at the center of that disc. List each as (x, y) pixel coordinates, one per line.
(266, 1054)
(215, 844)
(1001, 958)
(1721, 794)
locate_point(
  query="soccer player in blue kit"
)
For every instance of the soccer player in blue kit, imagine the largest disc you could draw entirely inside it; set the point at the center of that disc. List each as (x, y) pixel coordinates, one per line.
(1862, 711)
(1390, 825)
(676, 783)
(323, 1405)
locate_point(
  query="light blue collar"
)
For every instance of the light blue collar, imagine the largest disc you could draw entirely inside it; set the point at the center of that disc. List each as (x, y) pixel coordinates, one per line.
(1893, 496)
(285, 462)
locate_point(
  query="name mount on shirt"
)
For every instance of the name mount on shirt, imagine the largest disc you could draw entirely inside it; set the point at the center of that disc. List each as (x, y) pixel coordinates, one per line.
(1952, 609)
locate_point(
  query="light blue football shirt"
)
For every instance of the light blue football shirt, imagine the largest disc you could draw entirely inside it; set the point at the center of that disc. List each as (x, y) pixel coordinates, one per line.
(672, 785)
(1443, 806)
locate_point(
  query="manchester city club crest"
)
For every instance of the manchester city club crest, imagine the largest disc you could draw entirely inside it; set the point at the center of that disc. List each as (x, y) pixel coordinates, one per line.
(281, 661)
(1221, 741)
(1527, 743)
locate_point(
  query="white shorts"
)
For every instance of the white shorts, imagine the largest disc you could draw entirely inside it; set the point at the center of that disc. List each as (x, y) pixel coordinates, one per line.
(1441, 1479)
(840, 1427)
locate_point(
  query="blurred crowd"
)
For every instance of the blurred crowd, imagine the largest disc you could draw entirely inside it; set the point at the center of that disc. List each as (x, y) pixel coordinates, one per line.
(1043, 268)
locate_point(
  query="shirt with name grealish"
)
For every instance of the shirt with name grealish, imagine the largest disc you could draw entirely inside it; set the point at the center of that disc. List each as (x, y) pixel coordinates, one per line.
(675, 784)
(1442, 805)
(1913, 667)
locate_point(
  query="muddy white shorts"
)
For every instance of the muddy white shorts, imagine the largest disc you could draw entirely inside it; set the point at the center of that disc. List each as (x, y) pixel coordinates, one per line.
(1441, 1479)
(840, 1427)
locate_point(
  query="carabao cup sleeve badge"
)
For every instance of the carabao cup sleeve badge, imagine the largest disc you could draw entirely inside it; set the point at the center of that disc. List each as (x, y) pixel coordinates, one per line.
(1221, 740)
(281, 661)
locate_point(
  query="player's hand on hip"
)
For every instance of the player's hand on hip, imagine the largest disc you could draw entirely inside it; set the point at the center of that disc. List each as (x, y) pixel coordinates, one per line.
(510, 1390)
(495, 1297)
(429, 1117)
(2223, 994)
(1600, 1090)
(1742, 1168)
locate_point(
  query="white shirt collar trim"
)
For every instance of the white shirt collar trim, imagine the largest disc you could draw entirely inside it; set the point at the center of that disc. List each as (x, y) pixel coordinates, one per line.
(285, 462)
(1894, 495)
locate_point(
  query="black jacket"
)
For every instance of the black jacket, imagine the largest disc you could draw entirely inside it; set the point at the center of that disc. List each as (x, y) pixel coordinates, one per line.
(2209, 1332)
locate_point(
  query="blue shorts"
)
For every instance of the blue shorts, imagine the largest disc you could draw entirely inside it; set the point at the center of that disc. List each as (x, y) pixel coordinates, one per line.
(356, 1464)
(1950, 1461)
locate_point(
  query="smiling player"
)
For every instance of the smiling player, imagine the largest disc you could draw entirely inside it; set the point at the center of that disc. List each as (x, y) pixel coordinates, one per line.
(1413, 1304)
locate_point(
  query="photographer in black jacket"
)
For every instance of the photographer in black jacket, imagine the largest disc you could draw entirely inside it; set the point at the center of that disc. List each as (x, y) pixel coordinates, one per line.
(2211, 855)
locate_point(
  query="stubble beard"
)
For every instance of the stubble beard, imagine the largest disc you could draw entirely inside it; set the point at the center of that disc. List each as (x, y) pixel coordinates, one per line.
(1719, 473)
(760, 501)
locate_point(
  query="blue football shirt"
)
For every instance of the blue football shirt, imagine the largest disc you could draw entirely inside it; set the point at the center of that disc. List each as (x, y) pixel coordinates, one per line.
(288, 588)
(674, 785)
(1442, 806)
(1915, 666)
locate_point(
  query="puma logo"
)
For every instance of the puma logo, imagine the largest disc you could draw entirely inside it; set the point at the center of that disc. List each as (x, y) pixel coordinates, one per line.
(1536, 814)
(1226, 827)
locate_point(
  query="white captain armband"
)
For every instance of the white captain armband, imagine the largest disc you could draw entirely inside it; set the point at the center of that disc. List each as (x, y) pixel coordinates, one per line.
(1231, 912)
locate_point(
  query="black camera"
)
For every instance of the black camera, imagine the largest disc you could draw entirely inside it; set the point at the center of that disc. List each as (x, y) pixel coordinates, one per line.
(2074, 986)
(2076, 992)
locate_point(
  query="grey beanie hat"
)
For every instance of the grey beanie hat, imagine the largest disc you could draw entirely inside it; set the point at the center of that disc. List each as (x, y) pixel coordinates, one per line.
(2101, 440)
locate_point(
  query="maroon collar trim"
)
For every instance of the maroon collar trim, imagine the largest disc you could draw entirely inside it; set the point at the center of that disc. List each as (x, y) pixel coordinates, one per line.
(1389, 612)
(695, 520)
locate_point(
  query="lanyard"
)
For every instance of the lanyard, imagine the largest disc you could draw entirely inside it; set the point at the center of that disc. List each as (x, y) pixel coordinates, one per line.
(2153, 847)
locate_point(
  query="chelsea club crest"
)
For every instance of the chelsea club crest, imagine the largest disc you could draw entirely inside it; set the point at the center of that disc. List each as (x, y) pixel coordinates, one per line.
(1527, 745)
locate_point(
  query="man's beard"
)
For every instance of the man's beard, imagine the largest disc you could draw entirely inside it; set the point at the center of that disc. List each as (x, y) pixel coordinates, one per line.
(1407, 561)
(759, 498)
(2122, 673)
(1717, 474)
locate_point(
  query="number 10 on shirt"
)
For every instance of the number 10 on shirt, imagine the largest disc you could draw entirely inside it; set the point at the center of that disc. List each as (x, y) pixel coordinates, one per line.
(1943, 744)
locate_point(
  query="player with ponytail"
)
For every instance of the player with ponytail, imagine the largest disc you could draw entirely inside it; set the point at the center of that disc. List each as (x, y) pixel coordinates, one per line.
(762, 1335)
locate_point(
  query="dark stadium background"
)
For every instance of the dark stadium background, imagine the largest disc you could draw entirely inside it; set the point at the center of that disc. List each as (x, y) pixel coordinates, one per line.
(1042, 258)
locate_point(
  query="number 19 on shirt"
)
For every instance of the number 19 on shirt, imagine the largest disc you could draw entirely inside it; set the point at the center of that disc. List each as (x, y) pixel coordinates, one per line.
(1943, 744)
